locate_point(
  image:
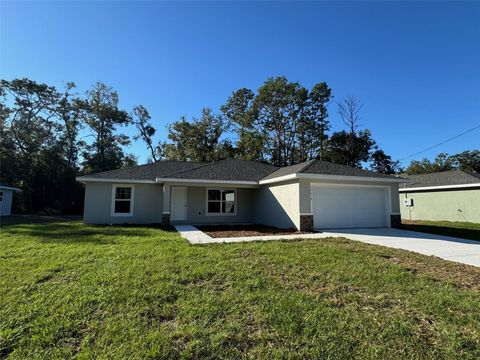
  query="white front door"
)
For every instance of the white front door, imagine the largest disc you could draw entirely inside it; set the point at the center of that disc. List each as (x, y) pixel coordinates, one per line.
(179, 204)
(349, 206)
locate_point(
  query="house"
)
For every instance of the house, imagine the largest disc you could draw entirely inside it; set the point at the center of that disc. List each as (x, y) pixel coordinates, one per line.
(313, 194)
(6, 196)
(449, 195)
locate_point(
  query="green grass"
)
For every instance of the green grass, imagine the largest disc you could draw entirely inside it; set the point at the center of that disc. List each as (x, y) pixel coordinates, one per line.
(464, 230)
(70, 290)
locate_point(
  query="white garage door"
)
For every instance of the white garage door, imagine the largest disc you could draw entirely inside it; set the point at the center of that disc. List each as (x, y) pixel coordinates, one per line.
(348, 206)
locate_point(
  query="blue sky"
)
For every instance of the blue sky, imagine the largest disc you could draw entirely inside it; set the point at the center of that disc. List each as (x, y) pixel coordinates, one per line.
(415, 66)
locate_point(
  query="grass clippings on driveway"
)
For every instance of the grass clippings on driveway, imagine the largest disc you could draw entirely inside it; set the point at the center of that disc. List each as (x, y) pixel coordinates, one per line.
(70, 290)
(228, 231)
(463, 230)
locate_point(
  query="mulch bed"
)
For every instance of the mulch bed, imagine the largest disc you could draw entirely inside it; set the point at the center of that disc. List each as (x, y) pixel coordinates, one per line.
(221, 231)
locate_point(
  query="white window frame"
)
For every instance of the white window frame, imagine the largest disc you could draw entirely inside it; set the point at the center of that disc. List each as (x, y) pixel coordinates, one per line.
(2, 194)
(235, 202)
(132, 199)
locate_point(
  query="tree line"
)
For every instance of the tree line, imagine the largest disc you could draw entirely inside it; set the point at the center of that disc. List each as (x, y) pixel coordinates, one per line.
(282, 123)
(467, 161)
(50, 136)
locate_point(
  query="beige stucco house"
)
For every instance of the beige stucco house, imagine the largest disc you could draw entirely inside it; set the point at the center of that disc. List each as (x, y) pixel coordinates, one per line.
(449, 195)
(314, 194)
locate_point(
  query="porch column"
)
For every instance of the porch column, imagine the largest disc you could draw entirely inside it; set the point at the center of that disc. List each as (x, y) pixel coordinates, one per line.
(166, 204)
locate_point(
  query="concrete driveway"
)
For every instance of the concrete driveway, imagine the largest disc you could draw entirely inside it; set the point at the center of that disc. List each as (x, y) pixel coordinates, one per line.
(448, 248)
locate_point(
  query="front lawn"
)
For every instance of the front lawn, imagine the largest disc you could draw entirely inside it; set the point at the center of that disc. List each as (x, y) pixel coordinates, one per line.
(464, 230)
(71, 290)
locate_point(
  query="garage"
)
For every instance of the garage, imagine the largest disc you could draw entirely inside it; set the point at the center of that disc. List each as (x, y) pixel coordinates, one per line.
(349, 206)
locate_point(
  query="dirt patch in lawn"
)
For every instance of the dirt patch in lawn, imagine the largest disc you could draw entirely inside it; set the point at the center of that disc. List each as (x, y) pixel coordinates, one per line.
(221, 231)
(459, 275)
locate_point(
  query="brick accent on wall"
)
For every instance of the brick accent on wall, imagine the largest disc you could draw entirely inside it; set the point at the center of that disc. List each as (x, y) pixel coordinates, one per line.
(166, 219)
(306, 222)
(395, 220)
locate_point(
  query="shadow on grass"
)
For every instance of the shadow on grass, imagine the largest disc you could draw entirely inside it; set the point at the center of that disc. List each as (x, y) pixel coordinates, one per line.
(67, 232)
(471, 234)
(35, 219)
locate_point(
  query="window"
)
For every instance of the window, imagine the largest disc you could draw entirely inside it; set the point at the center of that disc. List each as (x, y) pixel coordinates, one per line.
(1, 196)
(221, 202)
(122, 200)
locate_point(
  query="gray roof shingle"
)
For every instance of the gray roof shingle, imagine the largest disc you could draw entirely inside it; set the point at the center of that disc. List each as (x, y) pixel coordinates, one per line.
(147, 171)
(444, 178)
(229, 170)
(319, 167)
(288, 170)
(328, 168)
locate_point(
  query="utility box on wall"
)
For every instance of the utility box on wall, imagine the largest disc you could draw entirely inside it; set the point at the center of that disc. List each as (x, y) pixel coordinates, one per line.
(408, 202)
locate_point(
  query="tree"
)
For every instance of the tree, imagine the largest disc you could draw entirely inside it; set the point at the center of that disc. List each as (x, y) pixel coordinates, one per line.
(69, 110)
(239, 114)
(350, 149)
(103, 117)
(7, 145)
(141, 119)
(349, 111)
(279, 107)
(31, 131)
(425, 166)
(314, 125)
(196, 140)
(31, 122)
(283, 123)
(382, 163)
(69, 113)
(467, 160)
(129, 160)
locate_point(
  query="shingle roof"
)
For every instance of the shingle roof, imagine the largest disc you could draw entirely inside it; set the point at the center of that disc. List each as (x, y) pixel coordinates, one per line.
(229, 170)
(453, 177)
(288, 170)
(328, 168)
(148, 171)
(319, 167)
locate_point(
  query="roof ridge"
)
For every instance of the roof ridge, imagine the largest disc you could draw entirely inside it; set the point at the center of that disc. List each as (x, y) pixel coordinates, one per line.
(468, 172)
(307, 165)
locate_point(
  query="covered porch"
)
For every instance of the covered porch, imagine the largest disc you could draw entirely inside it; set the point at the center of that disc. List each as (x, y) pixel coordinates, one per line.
(199, 203)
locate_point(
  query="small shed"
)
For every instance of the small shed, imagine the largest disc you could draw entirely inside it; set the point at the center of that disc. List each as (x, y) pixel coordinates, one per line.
(6, 195)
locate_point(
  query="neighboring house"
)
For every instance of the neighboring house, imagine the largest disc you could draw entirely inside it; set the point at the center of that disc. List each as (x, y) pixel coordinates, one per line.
(6, 196)
(313, 194)
(449, 195)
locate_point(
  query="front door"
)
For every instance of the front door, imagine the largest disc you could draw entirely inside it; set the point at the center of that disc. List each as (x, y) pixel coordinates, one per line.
(179, 204)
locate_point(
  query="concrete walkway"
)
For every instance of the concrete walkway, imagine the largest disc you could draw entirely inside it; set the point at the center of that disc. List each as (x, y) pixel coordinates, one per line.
(193, 235)
(448, 248)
